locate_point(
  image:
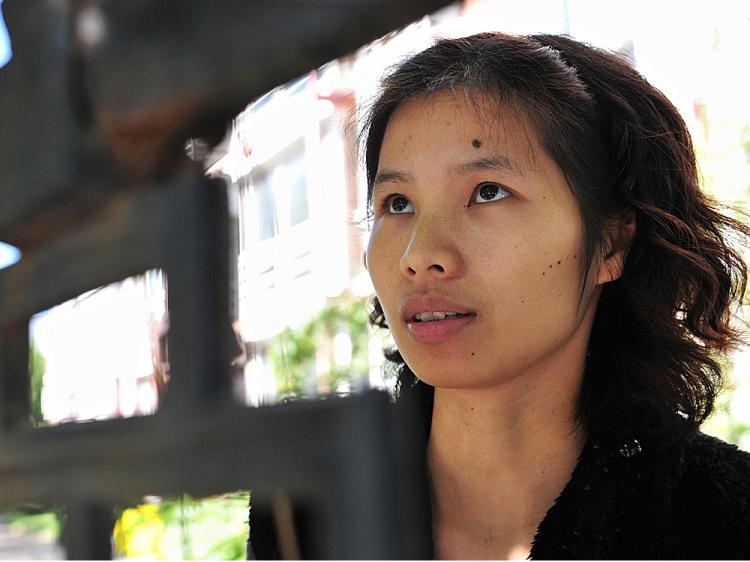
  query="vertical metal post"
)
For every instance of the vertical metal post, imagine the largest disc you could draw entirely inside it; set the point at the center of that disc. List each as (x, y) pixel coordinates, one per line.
(87, 531)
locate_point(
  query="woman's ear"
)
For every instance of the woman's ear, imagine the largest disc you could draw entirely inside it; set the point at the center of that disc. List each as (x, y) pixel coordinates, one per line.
(617, 238)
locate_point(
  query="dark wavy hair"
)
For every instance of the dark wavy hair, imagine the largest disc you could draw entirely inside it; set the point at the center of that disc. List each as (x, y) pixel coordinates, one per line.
(654, 355)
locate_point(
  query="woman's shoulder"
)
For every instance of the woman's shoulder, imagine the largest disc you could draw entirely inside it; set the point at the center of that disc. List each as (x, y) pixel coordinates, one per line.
(706, 456)
(711, 500)
(649, 497)
(715, 474)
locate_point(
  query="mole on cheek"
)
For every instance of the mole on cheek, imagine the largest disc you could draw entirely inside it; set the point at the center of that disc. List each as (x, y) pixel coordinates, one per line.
(476, 143)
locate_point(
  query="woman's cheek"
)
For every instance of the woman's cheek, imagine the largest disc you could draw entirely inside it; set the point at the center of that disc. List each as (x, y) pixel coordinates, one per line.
(382, 267)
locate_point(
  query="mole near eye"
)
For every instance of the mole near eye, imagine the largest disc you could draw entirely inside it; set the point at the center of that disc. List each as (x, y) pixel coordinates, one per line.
(476, 143)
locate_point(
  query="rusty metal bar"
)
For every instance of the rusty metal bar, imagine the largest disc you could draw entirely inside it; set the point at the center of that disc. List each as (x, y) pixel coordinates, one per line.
(101, 95)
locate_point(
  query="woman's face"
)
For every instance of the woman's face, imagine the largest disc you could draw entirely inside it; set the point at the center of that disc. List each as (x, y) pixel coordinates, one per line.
(476, 220)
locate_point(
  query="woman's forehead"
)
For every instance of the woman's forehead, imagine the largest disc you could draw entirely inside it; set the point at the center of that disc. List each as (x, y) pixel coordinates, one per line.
(472, 123)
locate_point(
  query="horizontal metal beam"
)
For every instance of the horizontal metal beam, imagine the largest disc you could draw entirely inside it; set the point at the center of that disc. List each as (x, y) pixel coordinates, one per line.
(100, 96)
(351, 460)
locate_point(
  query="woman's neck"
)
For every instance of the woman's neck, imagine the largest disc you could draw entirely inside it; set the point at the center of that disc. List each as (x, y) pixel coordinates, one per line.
(498, 459)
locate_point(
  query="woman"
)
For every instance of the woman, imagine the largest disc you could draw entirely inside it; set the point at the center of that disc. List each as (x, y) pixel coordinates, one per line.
(559, 292)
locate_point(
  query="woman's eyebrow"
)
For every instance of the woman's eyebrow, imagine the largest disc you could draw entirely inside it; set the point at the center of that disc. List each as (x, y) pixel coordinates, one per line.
(496, 162)
(385, 175)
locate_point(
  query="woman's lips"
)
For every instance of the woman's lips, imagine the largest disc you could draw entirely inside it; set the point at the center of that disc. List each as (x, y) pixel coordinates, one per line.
(437, 331)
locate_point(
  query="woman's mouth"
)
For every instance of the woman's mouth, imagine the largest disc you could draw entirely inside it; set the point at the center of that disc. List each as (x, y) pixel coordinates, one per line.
(433, 316)
(435, 327)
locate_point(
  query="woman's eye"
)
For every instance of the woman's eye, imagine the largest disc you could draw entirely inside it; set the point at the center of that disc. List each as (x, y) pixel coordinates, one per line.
(486, 192)
(397, 205)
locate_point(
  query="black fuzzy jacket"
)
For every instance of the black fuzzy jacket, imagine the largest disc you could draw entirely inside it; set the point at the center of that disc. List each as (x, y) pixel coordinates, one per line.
(637, 499)
(633, 500)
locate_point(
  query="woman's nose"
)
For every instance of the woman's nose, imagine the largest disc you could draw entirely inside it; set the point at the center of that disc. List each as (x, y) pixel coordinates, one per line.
(433, 251)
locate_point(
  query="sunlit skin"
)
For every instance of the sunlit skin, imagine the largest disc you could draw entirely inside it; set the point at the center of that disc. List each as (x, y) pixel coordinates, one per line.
(482, 216)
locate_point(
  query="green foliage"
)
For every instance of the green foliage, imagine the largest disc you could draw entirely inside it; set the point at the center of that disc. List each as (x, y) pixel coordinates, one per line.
(47, 522)
(37, 367)
(217, 528)
(185, 529)
(724, 421)
(294, 353)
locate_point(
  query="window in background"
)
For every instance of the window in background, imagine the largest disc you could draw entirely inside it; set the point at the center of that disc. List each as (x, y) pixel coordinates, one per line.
(101, 355)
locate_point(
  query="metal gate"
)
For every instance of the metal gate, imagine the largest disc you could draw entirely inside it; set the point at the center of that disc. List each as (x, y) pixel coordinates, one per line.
(95, 109)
